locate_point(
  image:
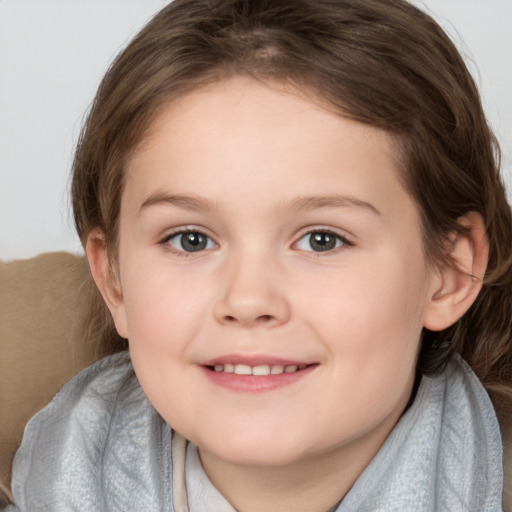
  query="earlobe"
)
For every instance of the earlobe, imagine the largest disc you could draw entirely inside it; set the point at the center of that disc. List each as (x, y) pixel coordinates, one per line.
(107, 282)
(459, 281)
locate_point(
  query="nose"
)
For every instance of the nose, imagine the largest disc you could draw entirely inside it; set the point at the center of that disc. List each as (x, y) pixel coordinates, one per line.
(252, 294)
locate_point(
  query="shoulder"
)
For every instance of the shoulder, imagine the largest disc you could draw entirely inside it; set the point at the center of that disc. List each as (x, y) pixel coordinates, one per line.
(99, 433)
(470, 448)
(91, 398)
(443, 454)
(466, 397)
(100, 384)
(462, 407)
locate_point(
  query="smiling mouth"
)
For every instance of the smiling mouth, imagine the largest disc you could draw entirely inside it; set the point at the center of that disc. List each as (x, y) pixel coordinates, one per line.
(258, 370)
(255, 375)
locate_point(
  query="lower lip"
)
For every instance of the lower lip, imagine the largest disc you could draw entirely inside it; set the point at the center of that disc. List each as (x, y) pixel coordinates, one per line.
(255, 383)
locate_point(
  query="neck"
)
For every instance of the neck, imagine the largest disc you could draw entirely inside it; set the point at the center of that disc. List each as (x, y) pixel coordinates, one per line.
(302, 486)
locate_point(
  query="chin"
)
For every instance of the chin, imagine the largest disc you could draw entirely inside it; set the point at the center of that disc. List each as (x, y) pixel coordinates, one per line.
(256, 451)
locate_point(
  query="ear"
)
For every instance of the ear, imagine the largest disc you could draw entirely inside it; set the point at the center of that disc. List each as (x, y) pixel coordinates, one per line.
(106, 279)
(458, 283)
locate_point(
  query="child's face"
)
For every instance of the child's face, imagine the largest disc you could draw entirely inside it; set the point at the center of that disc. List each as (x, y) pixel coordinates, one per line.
(219, 267)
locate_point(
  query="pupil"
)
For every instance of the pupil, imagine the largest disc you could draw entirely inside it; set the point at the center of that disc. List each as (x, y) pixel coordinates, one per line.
(322, 241)
(192, 242)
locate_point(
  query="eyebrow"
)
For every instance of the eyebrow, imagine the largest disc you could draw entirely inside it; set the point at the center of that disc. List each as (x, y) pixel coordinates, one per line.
(181, 201)
(198, 203)
(330, 201)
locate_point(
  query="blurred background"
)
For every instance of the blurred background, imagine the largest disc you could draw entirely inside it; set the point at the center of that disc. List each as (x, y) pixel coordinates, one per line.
(53, 54)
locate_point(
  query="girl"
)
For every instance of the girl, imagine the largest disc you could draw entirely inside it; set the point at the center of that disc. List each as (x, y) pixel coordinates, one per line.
(294, 213)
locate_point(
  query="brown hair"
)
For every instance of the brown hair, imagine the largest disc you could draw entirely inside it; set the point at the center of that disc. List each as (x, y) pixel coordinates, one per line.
(381, 62)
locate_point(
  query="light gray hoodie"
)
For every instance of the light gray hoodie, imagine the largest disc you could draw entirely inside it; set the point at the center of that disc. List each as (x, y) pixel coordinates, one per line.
(99, 446)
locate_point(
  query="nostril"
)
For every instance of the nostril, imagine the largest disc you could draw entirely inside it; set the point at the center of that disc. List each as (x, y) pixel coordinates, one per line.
(264, 319)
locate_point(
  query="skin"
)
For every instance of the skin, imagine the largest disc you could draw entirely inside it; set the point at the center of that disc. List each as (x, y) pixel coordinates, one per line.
(255, 168)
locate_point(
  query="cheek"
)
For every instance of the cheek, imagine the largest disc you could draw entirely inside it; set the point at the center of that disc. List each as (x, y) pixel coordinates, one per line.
(371, 319)
(161, 309)
(163, 320)
(363, 300)
(372, 330)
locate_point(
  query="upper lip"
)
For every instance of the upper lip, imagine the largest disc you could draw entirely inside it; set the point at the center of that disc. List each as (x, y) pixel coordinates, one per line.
(254, 360)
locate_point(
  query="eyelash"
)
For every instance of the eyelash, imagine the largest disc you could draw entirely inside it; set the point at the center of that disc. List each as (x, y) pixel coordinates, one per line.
(165, 241)
(344, 242)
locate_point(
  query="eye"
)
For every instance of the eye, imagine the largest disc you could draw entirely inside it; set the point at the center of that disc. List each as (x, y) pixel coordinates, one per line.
(321, 241)
(189, 241)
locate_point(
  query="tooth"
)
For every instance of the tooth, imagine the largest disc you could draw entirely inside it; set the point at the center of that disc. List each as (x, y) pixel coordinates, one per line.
(261, 370)
(264, 369)
(243, 369)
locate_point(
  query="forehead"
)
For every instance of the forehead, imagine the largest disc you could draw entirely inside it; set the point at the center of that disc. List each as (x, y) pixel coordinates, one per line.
(252, 138)
(256, 103)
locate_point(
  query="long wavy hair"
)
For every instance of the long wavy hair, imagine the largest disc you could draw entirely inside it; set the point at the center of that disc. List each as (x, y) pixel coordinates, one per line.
(381, 62)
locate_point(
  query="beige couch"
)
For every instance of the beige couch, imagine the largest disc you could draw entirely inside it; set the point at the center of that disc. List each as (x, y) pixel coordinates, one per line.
(48, 333)
(50, 326)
